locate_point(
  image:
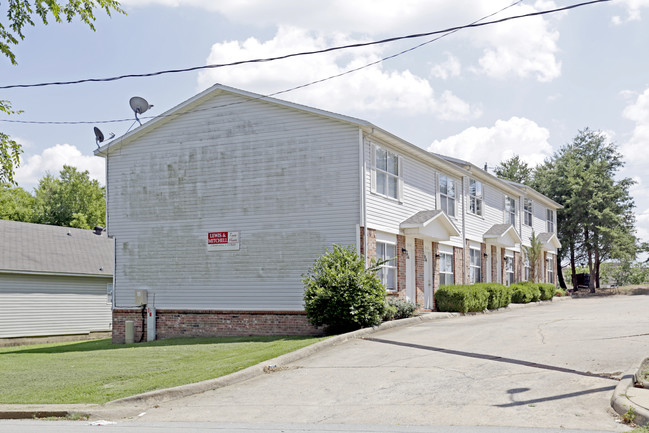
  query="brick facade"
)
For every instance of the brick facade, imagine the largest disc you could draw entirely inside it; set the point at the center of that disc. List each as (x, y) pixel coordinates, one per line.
(211, 323)
(458, 265)
(435, 270)
(483, 262)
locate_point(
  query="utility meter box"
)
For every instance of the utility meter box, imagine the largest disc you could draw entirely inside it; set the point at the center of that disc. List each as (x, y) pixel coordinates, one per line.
(141, 297)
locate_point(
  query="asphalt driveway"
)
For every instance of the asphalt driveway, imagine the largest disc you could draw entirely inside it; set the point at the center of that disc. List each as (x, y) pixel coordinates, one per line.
(551, 365)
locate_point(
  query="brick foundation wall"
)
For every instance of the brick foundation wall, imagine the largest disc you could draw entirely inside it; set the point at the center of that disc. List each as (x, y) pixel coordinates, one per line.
(458, 265)
(419, 272)
(401, 267)
(494, 264)
(483, 262)
(211, 323)
(435, 271)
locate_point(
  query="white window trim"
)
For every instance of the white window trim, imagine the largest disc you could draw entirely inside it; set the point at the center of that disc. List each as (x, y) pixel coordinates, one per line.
(530, 213)
(479, 266)
(481, 198)
(399, 177)
(439, 193)
(506, 214)
(452, 273)
(389, 266)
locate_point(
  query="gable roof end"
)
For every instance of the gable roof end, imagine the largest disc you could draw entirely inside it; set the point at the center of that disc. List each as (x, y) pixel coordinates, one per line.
(430, 224)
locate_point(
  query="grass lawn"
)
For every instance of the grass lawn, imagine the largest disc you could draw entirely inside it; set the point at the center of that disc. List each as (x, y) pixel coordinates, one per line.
(98, 371)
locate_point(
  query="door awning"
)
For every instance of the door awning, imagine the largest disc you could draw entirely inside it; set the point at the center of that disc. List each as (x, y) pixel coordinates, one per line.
(430, 224)
(503, 235)
(549, 241)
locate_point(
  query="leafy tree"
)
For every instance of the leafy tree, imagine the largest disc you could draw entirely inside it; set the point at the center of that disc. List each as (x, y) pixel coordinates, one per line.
(71, 200)
(20, 14)
(16, 204)
(515, 169)
(534, 253)
(597, 220)
(341, 293)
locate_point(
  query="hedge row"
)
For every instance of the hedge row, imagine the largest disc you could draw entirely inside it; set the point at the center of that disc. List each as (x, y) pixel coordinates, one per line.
(490, 296)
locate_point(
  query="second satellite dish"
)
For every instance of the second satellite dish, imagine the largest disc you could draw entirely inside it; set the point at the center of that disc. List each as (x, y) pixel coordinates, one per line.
(139, 106)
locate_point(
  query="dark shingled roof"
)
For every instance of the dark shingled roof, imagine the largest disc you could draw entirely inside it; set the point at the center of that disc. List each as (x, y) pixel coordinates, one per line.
(44, 249)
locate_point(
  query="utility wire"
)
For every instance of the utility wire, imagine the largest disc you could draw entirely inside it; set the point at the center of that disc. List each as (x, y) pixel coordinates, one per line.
(301, 86)
(304, 53)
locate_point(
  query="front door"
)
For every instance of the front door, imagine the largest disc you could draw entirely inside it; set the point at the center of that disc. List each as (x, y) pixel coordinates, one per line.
(410, 271)
(428, 278)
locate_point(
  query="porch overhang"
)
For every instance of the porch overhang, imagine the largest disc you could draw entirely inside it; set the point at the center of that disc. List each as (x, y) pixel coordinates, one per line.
(549, 241)
(503, 235)
(434, 225)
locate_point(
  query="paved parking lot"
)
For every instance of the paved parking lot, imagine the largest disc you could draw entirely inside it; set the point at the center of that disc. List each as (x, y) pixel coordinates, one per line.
(551, 365)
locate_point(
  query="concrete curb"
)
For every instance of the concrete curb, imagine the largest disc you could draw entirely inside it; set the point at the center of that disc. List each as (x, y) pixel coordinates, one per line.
(132, 403)
(621, 403)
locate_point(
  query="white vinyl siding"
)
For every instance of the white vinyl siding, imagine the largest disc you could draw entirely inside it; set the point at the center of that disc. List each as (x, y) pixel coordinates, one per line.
(41, 305)
(287, 180)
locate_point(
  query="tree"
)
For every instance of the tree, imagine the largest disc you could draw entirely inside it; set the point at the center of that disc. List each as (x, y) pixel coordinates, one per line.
(596, 222)
(21, 13)
(515, 169)
(534, 253)
(341, 293)
(71, 200)
(16, 204)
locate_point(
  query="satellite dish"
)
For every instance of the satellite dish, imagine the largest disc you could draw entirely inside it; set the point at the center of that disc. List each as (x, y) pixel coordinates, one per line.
(99, 136)
(139, 106)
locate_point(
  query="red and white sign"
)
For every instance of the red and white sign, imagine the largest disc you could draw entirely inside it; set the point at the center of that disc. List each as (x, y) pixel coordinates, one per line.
(223, 241)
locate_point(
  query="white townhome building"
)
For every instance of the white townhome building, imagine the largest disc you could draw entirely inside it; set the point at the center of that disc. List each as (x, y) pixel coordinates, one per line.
(221, 204)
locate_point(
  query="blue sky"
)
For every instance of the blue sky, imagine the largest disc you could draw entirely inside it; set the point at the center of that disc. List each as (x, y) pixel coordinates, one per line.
(524, 87)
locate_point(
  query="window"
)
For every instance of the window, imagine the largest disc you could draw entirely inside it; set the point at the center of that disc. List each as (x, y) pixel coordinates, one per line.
(388, 270)
(387, 173)
(474, 265)
(510, 211)
(527, 212)
(509, 271)
(475, 197)
(550, 266)
(550, 218)
(447, 194)
(446, 269)
(528, 269)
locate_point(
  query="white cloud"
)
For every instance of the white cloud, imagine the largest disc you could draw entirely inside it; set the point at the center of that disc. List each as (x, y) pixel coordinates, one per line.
(447, 69)
(516, 136)
(635, 150)
(368, 90)
(633, 8)
(33, 168)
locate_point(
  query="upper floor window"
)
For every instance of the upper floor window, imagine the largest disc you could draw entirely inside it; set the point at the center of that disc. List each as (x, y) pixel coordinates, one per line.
(550, 218)
(510, 211)
(475, 265)
(446, 269)
(475, 197)
(388, 271)
(387, 172)
(527, 212)
(447, 194)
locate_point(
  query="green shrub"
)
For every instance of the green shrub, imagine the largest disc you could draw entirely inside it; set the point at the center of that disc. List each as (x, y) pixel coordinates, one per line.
(461, 298)
(547, 291)
(521, 293)
(499, 296)
(341, 293)
(559, 292)
(398, 308)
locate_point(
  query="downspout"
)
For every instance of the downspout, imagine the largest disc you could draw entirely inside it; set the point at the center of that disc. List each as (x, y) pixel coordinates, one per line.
(363, 210)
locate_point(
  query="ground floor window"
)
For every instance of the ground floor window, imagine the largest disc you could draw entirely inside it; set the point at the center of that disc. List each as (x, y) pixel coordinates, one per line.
(474, 263)
(446, 269)
(509, 271)
(528, 269)
(388, 271)
(550, 270)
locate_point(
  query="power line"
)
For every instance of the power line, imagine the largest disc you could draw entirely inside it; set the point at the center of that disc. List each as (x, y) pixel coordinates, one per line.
(304, 53)
(301, 86)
